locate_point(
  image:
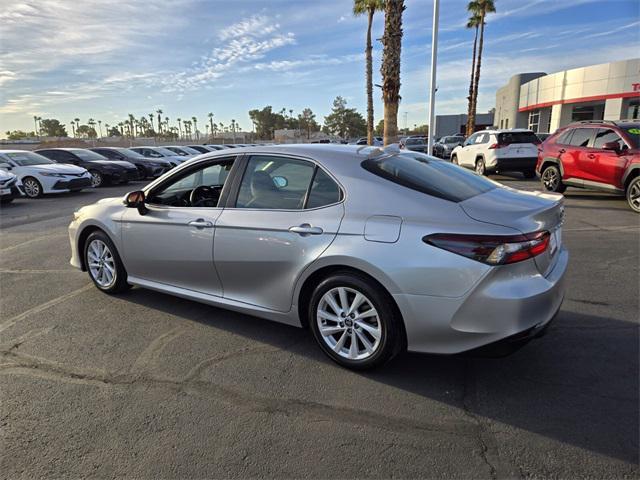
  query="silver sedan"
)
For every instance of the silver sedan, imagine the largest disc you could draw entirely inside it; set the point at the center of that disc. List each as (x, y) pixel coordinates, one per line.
(374, 250)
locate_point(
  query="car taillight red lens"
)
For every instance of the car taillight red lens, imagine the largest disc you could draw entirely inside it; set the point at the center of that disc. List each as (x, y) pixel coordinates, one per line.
(492, 249)
(497, 145)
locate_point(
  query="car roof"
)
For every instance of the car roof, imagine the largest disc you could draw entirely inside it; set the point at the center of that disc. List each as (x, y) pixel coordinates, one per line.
(16, 151)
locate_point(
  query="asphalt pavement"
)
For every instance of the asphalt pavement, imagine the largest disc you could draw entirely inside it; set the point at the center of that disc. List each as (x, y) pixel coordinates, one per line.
(145, 385)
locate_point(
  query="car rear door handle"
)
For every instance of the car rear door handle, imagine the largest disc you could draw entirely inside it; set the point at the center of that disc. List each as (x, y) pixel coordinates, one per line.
(306, 229)
(201, 223)
(562, 150)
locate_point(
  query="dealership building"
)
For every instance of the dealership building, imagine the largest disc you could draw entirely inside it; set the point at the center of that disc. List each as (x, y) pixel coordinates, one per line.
(545, 102)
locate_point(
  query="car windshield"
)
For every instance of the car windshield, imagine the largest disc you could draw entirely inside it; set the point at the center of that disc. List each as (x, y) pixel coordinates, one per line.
(507, 138)
(429, 175)
(25, 159)
(87, 155)
(130, 153)
(179, 151)
(451, 140)
(414, 141)
(165, 151)
(633, 133)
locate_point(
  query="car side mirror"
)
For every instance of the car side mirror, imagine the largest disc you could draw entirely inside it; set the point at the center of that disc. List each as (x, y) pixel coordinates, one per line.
(280, 182)
(136, 200)
(6, 166)
(615, 146)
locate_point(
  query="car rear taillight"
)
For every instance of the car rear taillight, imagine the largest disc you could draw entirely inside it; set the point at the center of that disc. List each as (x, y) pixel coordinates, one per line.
(497, 145)
(492, 249)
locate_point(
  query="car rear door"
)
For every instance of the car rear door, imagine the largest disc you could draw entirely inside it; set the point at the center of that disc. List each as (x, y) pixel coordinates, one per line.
(608, 165)
(583, 153)
(285, 213)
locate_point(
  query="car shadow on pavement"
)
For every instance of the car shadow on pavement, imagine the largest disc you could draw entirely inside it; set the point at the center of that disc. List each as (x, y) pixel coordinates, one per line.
(577, 385)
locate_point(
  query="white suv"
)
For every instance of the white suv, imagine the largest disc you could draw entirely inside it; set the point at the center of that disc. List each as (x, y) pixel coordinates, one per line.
(489, 151)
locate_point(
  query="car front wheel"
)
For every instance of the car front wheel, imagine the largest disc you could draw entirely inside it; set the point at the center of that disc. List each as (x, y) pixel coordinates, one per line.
(103, 264)
(32, 187)
(633, 194)
(353, 321)
(552, 179)
(97, 180)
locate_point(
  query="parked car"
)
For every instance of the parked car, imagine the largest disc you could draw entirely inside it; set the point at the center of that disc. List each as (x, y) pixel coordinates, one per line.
(377, 141)
(8, 187)
(37, 175)
(183, 151)
(159, 152)
(599, 155)
(374, 251)
(493, 151)
(416, 144)
(213, 148)
(147, 167)
(202, 148)
(103, 172)
(443, 147)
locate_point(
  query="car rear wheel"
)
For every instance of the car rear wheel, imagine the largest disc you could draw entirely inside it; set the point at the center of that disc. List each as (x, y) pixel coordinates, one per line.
(633, 194)
(480, 166)
(353, 321)
(552, 179)
(97, 180)
(32, 187)
(104, 265)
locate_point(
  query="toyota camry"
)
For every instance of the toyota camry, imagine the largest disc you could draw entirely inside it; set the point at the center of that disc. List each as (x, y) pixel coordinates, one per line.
(374, 250)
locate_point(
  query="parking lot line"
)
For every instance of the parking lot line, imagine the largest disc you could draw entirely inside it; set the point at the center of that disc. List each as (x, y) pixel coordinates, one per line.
(12, 321)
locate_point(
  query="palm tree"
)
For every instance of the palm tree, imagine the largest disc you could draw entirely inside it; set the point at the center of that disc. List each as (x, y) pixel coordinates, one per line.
(480, 8)
(106, 127)
(210, 115)
(35, 123)
(390, 70)
(474, 22)
(179, 126)
(73, 128)
(77, 120)
(195, 126)
(360, 7)
(100, 127)
(166, 123)
(159, 112)
(151, 120)
(121, 125)
(131, 120)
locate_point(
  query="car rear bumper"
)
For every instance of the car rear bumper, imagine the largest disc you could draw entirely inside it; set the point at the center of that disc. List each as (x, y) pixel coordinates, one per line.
(514, 164)
(73, 184)
(506, 302)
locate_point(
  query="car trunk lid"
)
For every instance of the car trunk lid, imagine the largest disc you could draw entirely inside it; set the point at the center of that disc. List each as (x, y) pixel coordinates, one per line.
(526, 212)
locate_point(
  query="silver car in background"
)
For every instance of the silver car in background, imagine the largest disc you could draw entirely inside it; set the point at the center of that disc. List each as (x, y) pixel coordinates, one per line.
(375, 250)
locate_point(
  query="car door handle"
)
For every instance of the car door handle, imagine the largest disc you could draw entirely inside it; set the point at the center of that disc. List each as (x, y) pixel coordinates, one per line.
(591, 155)
(562, 150)
(200, 223)
(306, 229)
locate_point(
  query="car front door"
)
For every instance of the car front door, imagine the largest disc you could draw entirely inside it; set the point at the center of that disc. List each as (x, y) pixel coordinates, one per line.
(609, 165)
(172, 243)
(287, 212)
(466, 155)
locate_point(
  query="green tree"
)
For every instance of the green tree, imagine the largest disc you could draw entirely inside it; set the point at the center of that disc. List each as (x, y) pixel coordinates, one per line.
(478, 8)
(267, 121)
(474, 22)
(159, 112)
(51, 127)
(344, 122)
(379, 131)
(307, 122)
(19, 135)
(368, 7)
(85, 131)
(390, 70)
(195, 126)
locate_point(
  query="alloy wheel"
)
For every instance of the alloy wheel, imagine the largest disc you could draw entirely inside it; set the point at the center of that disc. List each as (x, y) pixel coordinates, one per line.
(31, 187)
(349, 323)
(550, 179)
(480, 167)
(101, 263)
(96, 179)
(633, 196)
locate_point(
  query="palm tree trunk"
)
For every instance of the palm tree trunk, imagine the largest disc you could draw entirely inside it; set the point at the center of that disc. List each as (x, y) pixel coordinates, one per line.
(477, 79)
(369, 80)
(470, 126)
(392, 45)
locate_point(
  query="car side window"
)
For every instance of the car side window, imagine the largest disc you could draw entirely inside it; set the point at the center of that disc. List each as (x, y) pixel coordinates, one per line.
(565, 137)
(581, 137)
(276, 183)
(324, 191)
(606, 136)
(199, 187)
(471, 140)
(482, 138)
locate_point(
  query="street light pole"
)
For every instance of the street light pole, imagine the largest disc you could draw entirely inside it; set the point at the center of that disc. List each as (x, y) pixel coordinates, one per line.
(432, 86)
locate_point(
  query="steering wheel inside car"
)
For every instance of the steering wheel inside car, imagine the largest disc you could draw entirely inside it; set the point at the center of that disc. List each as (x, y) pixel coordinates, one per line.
(205, 196)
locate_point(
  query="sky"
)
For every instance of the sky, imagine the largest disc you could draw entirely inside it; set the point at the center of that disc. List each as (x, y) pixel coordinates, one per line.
(104, 59)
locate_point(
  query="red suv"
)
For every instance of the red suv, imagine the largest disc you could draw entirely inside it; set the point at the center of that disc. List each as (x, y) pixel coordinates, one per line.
(600, 155)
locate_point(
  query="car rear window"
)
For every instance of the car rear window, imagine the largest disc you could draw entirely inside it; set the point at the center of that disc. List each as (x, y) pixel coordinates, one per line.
(633, 134)
(507, 138)
(429, 175)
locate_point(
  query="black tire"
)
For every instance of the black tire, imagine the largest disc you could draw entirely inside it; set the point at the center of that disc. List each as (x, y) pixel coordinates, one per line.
(97, 180)
(120, 282)
(551, 179)
(633, 194)
(391, 339)
(481, 168)
(529, 174)
(32, 187)
(454, 159)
